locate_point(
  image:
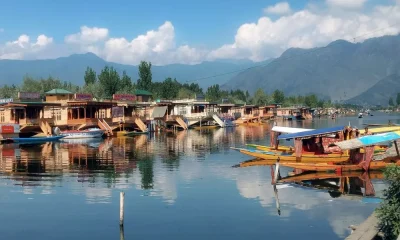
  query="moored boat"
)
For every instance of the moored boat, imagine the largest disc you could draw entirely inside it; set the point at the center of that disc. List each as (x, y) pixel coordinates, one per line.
(135, 133)
(32, 139)
(89, 133)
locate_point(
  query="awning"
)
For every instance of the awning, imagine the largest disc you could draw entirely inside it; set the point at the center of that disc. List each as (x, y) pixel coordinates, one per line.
(368, 140)
(289, 129)
(313, 133)
(159, 112)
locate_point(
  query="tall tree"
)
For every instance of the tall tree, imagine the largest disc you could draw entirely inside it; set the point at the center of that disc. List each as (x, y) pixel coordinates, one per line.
(278, 96)
(90, 76)
(145, 76)
(260, 98)
(213, 93)
(126, 85)
(398, 99)
(391, 103)
(109, 81)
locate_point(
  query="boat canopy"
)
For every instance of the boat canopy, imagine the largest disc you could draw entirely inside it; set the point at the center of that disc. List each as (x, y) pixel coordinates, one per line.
(289, 129)
(381, 129)
(313, 133)
(368, 140)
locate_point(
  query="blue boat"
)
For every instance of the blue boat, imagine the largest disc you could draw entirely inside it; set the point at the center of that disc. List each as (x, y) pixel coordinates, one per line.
(33, 139)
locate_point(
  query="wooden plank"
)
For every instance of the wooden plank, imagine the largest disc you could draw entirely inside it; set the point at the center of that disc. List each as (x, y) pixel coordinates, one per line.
(366, 230)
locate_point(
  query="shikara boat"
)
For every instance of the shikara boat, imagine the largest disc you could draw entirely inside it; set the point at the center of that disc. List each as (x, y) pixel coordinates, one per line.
(135, 133)
(358, 161)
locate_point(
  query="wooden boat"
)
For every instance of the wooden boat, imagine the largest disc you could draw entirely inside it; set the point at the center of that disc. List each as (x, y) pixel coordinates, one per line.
(306, 157)
(89, 133)
(206, 127)
(358, 161)
(133, 133)
(33, 139)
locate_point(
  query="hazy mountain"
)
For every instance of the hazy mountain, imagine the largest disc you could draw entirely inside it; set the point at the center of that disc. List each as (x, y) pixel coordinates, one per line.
(380, 93)
(341, 70)
(72, 69)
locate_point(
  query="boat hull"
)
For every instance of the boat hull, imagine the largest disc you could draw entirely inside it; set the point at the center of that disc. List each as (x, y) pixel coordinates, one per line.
(324, 158)
(129, 134)
(34, 139)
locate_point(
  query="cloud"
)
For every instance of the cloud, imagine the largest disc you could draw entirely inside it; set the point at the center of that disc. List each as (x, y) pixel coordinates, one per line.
(23, 46)
(346, 3)
(87, 35)
(306, 28)
(279, 8)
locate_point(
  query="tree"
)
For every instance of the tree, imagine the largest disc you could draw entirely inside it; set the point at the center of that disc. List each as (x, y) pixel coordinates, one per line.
(388, 211)
(90, 76)
(278, 96)
(185, 93)
(398, 99)
(311, 101)
(145, 76)
(391, 103)
(260, 98)
(95, 89)
(170, 89)
(126, 85)
(213, 93)
(109, 81)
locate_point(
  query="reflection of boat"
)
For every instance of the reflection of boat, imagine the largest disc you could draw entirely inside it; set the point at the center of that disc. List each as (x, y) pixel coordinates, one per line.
(89, 133)
(133, 133)
(92, 142)
(360, 115)
(33, 139)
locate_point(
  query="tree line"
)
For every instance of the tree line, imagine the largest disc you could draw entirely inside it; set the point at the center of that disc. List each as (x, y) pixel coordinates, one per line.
(392, 103)
(108, 82)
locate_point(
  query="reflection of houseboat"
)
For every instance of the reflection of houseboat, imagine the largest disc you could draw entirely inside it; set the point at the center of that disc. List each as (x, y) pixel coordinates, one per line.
(89, 133)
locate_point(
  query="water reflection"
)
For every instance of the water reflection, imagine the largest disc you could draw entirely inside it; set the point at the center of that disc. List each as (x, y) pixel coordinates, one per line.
(182, 180)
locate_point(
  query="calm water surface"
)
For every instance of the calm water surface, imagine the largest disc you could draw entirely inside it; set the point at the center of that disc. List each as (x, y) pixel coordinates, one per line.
(177, 186)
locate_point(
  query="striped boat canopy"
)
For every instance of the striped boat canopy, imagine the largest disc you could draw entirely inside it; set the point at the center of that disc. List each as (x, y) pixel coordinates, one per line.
(368, 140)
(289, 129)
(381, 129)
(313, 133)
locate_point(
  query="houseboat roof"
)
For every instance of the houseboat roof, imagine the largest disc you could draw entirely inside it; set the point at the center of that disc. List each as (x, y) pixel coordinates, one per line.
(90, 103)
(313, 133)
(58, 91)
(29, 104)
(368, 140)
(134, 104)
(143, 93)
(227, 105)
(289, 129)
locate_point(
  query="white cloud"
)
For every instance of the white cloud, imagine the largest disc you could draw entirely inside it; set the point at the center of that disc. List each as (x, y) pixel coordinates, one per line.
(279, 8)
(306, 29)
(87, 35)
(346, 3)
(23, 46)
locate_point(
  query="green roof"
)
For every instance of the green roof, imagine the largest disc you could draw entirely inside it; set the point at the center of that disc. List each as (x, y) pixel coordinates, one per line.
(143, 92)
(58, 91)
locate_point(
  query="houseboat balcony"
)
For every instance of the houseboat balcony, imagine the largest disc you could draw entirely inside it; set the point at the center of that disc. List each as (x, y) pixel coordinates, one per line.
(199, 115)
(35, 121)
(87, 121)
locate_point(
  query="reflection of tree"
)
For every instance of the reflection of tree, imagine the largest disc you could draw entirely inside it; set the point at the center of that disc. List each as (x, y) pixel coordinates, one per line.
(146, 170)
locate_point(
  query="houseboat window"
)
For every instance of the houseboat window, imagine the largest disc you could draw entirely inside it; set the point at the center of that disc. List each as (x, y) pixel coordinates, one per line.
(2, 119)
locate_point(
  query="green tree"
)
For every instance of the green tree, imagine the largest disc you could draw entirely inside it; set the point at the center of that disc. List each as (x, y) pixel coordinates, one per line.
(145, 77)
(398, 99)
(260, 98)
(170, 89)
(95, 89)
(389, 211)
(278, 96)
(311, 101)
(90, 76)
(213, 93)
(109, 81)
(126, 85)
(391, 103)
(185, 93)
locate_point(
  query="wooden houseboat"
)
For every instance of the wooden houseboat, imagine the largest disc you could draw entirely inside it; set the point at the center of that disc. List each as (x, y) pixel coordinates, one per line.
(28, 110)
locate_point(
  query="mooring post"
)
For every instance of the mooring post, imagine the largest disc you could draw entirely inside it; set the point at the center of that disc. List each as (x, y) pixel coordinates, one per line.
(121, 232)
(276, 170)
(121, 208)
(397, 148)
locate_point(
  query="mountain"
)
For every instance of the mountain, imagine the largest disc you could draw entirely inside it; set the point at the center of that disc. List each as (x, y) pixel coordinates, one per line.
(72, 68)
(340, 71)
(380, 93)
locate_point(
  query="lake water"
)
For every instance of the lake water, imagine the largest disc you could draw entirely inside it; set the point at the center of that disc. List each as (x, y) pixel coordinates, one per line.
(177, 186)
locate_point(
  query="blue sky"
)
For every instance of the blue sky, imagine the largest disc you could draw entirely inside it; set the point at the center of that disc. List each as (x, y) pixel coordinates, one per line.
(208, 28)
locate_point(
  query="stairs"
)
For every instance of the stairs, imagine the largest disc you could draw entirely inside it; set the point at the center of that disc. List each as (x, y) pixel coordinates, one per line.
(181, 123)
(104, 126)
(218, 120)
(45, 127)
(141, 124)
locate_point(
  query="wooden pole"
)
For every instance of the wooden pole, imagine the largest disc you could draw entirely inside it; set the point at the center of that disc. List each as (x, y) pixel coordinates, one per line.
(397, 148)
(121, 208)
(121, 232)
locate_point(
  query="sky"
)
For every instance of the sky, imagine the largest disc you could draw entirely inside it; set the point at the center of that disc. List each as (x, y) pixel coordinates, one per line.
(187, 32)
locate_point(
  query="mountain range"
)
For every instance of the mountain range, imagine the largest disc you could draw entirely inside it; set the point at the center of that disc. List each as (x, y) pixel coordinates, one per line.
(360, 73)
(72, 68)
(341, 71)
